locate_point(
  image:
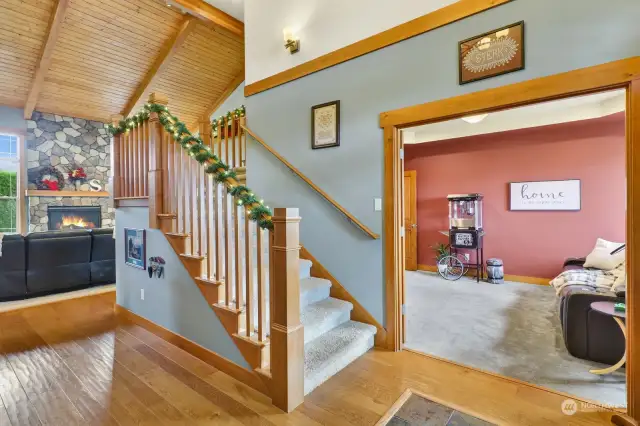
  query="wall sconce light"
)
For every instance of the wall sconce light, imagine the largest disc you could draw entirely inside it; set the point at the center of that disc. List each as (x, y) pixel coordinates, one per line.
(290, 42)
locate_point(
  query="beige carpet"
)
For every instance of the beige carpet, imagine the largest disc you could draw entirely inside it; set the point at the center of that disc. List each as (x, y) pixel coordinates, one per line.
(512, 329)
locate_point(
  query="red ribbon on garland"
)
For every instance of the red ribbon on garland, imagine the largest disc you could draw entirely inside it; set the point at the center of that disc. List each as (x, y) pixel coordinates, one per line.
(52, 185)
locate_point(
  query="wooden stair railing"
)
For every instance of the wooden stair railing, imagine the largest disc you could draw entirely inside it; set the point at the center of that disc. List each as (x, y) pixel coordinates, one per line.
(131, 162)
(315, 187)
(248, 275)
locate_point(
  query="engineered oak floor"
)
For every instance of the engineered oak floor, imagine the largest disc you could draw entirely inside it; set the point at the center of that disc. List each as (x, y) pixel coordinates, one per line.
(72, 363)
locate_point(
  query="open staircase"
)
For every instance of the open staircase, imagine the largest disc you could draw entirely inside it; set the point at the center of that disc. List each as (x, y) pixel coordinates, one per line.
(288, 328)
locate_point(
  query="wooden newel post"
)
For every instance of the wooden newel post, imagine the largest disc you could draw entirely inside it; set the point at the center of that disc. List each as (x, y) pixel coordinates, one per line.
(155, 162)
(117, 177)
(287, 333)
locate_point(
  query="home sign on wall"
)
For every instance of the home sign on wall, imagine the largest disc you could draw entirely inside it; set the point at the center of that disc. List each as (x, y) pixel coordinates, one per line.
(545, 195)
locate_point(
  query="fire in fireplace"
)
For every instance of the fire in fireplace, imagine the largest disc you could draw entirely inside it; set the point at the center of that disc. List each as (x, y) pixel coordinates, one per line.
(65, 218)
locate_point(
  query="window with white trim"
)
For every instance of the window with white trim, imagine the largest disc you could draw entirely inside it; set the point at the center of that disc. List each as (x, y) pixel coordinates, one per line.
(9, 197)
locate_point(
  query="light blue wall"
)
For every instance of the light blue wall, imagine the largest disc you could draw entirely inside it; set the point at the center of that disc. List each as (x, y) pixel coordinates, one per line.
(235, 99)
(174, 302)
(12, 117)
(561, 35)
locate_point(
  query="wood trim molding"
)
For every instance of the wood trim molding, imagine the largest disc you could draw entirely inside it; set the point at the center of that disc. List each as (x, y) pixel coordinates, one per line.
(207, 12)
(633, 247)
(338, 291)
(206, 117)
(47, 193)
(22, 223)
(431, 21)
(507, 277)
(572, 83)
(315, 187)
(624, 74)
(161, 63)
(239, 373)
(131, 202)
(55, 24)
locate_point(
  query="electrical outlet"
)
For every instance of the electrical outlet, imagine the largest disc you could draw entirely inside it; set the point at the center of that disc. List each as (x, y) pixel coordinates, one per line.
(142, 294)
(377, 204)
(466, 257)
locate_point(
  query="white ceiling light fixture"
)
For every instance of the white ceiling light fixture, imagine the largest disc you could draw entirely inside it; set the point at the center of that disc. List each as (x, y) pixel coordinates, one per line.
(473, 119)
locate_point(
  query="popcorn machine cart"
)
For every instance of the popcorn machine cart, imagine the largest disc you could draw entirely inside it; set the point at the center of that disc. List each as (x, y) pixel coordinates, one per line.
(465, 228)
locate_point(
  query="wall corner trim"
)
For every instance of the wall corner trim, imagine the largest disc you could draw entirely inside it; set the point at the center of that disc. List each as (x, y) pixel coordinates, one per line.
(249, 378)
(425, 23)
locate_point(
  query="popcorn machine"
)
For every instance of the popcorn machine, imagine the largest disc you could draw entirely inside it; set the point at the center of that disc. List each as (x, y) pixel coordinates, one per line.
(465, 228)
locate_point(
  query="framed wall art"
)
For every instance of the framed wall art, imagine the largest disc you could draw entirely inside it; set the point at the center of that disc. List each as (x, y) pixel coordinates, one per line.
(490, 54)
(325, 125)
(135, 247)
(550, 195)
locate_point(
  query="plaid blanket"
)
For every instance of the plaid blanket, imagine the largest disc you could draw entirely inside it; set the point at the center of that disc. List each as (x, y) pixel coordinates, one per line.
(596, 278)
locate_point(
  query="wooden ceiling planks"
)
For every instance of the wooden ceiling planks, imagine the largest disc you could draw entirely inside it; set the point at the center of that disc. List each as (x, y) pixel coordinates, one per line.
(22, 36)
(106, 56)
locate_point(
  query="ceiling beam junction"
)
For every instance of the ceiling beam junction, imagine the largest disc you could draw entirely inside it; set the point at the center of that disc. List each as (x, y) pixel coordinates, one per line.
(205, 11)
(55, 25)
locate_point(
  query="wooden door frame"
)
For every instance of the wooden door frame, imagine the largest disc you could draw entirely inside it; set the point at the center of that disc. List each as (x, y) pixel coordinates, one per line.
(414, 176)
(622, 74)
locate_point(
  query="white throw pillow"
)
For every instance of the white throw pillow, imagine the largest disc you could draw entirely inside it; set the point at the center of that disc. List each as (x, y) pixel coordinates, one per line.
(601, 257)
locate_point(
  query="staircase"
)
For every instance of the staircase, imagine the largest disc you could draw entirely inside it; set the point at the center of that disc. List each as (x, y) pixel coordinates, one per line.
(282, 319)
(331, 340)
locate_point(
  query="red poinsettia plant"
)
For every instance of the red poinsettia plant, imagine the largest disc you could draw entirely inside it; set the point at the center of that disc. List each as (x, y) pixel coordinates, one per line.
(76, 174)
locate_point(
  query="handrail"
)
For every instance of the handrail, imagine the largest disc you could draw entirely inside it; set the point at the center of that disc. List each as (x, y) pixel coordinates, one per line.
(326, 196)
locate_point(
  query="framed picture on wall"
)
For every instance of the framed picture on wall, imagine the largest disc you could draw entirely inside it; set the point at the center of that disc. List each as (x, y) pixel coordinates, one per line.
(491, 54)
(325, 125)
(135, 247)
(549, 195)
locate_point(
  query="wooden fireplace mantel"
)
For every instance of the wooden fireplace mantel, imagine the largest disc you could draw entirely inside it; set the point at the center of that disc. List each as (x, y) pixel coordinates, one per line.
(47, 193)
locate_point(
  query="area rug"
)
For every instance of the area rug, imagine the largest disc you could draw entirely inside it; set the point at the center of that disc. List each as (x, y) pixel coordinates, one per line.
(511, 329)
(415, 409)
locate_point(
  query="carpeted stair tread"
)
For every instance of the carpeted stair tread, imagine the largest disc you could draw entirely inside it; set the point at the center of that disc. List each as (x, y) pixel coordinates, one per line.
(322, 316)
(334, 350)
(305, 268)
(313, 290)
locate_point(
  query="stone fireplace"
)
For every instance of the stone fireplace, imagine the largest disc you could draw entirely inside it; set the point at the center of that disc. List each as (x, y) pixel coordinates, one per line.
(66, 218)
(67, 143)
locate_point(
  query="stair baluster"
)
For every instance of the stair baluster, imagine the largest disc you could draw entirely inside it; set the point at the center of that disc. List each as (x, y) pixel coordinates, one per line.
(217, 239)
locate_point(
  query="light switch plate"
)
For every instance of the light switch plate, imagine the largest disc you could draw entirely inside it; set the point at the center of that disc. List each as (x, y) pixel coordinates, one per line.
(377, 204)
(142, 294)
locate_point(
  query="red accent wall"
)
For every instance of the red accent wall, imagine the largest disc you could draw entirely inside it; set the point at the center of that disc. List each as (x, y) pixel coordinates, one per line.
(532, 244)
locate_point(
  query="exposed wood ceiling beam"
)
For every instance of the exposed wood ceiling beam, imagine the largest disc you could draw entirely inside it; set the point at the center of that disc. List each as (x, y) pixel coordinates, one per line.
(55, 24)
(161, 63)
(220, 99)
(205, 11)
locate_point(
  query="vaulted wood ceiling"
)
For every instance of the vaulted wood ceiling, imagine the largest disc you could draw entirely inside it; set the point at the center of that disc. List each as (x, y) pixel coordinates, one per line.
(95, 58)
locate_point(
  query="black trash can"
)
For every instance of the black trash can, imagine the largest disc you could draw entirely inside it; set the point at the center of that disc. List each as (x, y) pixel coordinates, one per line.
(495, 271)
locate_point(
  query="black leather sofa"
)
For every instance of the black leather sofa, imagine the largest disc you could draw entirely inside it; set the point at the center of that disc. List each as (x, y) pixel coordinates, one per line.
(589, 334)
(53, 262)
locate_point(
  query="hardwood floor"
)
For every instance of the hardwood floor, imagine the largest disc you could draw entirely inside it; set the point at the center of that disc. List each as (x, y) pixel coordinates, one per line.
(71, 363)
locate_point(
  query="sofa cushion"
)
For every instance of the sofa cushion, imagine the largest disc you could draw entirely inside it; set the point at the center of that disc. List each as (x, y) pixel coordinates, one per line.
(103, 253)
(13, 265)
(57, 260)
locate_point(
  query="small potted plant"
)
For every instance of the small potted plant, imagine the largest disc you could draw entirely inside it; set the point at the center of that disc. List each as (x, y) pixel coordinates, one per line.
(441, 250)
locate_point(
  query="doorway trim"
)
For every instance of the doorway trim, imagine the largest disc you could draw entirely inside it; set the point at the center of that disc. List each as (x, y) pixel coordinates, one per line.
(622, 74)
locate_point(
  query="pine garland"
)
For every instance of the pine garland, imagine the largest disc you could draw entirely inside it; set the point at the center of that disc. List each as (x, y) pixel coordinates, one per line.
(226, 120)
(214, 166)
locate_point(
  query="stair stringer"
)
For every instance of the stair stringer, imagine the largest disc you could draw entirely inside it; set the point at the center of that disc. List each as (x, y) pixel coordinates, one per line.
(255, 353)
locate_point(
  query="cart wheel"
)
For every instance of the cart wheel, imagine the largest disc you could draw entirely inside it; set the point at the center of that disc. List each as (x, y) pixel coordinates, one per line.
(450, 268)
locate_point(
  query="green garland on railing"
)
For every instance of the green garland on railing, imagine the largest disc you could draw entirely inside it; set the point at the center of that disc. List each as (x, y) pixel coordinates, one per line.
(226, 119)
(214, 166)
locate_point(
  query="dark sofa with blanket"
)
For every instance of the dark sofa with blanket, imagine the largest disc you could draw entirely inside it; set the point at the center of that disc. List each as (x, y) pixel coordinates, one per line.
(589, 334)
(53, 262)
